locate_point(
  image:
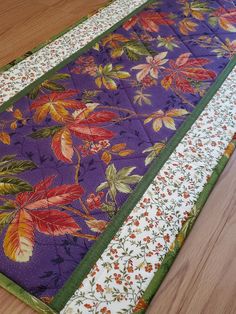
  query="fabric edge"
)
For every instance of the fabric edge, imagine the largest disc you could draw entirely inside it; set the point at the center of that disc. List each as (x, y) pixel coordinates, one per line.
(24, 296)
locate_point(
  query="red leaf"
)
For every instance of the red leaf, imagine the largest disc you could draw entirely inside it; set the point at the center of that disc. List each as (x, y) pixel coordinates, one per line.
(100, 117)
(199, 74)
(91, 133)
(54, 222)
(60, 195)
(184, 85)
(182, 59)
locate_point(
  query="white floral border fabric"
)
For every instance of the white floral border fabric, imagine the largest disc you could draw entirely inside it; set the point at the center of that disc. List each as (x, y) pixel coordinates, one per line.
(33, 67)
(126, 267)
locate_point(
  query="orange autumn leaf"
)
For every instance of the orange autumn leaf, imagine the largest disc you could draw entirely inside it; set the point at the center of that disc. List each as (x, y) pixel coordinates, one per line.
(106, 157)
(5, 138)
(62, 145)
(56, 105)
(37, 210)
(186, 26)
(96, 225)
(17, 114)
(225, 18)
(19, 239)
(118, 147)
(126, 152)
(113, 40)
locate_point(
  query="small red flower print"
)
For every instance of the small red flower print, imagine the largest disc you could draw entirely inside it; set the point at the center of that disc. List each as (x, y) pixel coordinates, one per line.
(148, 268)
(166, 238)
(148, 81)
(132, 236)
(105, 310)
(99, 288)
(118, 279)
(136, 223)
(116, 265)
(147, 239)
(94, 201)
(186, 195)
(88, 306)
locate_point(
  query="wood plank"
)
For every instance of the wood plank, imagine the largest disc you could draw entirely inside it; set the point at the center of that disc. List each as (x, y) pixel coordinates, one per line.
(26, 24)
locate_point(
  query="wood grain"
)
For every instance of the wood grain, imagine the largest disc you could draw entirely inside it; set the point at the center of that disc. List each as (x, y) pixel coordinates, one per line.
(26, 23)
(202, 278)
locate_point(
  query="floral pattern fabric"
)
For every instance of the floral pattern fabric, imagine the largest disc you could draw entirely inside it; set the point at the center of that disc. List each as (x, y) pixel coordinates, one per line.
(122, 274)
(75, 147)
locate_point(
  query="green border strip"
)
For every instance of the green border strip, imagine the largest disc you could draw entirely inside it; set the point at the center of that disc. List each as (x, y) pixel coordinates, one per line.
(75, 55)
(182, 235)
(45, 43)
(24, 296)
(101, 244)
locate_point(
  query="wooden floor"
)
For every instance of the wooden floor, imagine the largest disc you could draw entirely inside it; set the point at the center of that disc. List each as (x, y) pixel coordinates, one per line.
(202, 279)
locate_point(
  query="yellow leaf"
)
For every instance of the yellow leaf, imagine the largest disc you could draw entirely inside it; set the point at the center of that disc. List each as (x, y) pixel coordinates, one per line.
(126, 152)
(19, 239)
(109, 83)
(17, 114)
(5, 138)
(186, 26)
(106, 157)
(166, 82)
(123, 74)
(176, 112)
(13, 125)
(96, 46)
(169, 123)
(117, 52)
(116, 148)
(157, 124)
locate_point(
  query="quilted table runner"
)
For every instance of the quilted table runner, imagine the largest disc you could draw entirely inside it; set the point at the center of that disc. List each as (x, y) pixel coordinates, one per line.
(112, 136)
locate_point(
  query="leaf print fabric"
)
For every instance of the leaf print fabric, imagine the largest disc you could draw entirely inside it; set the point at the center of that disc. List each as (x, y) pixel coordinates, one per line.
(75, 147)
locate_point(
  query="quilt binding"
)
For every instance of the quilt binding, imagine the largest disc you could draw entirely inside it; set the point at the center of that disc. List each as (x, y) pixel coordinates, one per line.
(82, 270)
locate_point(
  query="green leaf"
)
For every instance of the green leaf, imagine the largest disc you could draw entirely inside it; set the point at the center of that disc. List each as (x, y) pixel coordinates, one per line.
(34, 92)
(111, 172)
(102, 186)
(59, 76)
(13, 186)
(131, 55)
(150, 158)
(16, 166)
(7, 158)
(122, 187)
(52, 86)
(8, 205)
(5, 218)
(212, 21)
(132, 179)
(45, 132)
(124, 172)
(137, 47)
